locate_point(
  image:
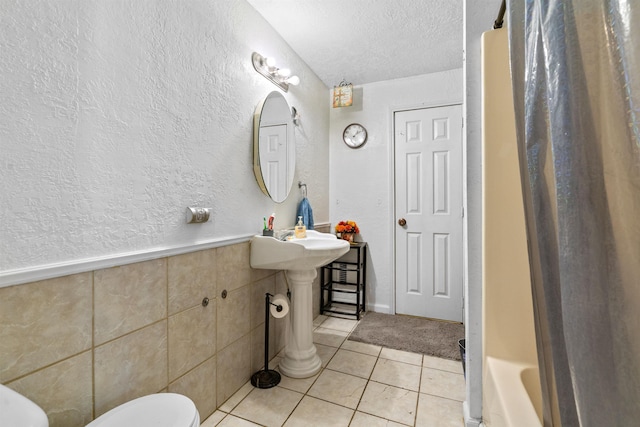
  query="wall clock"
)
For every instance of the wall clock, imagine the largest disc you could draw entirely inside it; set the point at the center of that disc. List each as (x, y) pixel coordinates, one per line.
(354, 135)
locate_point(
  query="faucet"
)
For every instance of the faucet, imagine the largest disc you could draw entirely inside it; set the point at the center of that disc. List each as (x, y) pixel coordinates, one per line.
(283, 234)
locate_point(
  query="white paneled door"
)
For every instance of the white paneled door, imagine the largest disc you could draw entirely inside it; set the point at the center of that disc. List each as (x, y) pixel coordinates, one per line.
(273, 160)
(429, 211)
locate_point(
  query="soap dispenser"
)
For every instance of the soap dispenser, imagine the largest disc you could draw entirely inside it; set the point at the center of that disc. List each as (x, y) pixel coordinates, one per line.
(300, 230)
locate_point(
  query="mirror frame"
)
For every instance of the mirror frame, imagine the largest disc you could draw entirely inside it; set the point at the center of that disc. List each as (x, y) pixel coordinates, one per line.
(258, 156)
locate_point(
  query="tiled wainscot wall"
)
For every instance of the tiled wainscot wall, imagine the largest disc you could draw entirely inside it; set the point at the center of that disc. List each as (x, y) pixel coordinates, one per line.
(82, 344)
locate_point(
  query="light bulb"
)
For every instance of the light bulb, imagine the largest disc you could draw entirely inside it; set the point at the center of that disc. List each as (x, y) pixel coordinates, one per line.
(284, 72)
(270, 62)
(294, 80)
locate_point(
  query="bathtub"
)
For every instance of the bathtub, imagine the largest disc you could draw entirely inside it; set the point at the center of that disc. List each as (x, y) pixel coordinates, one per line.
(516, 400)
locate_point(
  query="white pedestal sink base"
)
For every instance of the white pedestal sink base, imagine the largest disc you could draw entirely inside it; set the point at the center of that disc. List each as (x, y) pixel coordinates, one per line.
(301, 359)
(299, 258)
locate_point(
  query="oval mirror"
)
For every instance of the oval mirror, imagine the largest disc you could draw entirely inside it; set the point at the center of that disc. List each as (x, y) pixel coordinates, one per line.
(274, 150)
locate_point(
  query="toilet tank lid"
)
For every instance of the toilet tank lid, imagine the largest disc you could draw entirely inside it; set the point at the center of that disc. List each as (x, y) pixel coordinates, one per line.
(154, 410)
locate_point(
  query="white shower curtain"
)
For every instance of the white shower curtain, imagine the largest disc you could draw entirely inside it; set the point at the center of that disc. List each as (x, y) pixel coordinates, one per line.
(576, 81)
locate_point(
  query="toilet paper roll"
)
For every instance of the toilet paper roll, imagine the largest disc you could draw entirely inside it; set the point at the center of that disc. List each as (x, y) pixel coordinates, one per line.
(281, 300)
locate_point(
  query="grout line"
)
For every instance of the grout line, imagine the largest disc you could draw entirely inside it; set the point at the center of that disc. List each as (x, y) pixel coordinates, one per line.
(415, 416)
(444, 397)
(240, 401)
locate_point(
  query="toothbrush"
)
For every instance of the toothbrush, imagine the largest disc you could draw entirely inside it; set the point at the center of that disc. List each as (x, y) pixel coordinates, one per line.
(264, 221)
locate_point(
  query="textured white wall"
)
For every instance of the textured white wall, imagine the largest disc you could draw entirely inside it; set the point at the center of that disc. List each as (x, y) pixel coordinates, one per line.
(117, 115)
(362, 179)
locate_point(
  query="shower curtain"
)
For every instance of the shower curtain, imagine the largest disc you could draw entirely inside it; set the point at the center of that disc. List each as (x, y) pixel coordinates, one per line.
(576, 80)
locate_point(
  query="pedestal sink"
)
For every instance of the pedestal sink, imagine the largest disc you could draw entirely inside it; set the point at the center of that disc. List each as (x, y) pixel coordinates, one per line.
(299, 258)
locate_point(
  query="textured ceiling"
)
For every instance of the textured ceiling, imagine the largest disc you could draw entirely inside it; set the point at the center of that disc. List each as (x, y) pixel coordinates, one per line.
(364, 41)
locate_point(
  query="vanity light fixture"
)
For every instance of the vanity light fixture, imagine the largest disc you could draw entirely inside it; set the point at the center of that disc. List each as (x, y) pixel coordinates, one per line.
(281, 77)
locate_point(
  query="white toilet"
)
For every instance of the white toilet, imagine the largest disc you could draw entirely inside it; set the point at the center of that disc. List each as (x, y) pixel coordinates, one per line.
(17, 410)
(154, 410)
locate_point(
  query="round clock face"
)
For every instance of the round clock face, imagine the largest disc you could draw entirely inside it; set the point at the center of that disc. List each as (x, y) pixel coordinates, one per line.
(354, 135)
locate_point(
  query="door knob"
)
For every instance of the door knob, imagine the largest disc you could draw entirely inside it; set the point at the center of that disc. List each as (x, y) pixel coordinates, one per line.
(402, 222)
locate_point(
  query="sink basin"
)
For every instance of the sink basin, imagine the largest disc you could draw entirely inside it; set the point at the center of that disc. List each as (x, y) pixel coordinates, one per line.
(314, 251)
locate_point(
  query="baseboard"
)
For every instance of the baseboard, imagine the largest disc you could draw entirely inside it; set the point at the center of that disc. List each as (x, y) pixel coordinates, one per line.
(468, 420)
(380, 308)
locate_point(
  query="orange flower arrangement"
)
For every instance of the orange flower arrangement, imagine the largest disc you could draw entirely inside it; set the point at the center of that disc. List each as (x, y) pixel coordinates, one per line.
(347, 227)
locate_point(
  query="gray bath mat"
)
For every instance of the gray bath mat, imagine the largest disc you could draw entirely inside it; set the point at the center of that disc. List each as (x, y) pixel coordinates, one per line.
(418, 335)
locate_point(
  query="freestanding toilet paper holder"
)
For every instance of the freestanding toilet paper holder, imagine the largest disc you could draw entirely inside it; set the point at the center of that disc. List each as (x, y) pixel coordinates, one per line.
(267, 378)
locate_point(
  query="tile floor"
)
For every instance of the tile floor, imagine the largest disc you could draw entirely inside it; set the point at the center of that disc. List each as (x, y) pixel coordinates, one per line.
(359, 385)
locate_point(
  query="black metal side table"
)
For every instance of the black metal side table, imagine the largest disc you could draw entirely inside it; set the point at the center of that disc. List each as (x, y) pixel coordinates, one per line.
(345, 278)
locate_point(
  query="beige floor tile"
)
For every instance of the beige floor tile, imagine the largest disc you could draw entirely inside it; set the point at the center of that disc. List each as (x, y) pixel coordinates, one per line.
(438, 411)
(231, 421)
(442, 383)
(214, 419)
(233, 401)
(268, 407)
(339, 388)
(330, 337)
(360, 419)
(389, 399)
(360, 347)
(454, 366)
(392, 403)
(318, 320)
(273, 363)
(398, 374)
(345, 325)
(401, 356)
(325, 353)
(301, 385)
(318, 413)
(353, 363)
